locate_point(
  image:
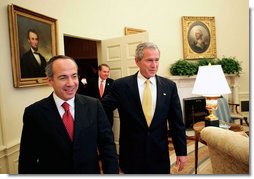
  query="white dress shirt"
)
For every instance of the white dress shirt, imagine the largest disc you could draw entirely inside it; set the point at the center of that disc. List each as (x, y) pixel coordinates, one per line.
(59, 103)
(37, 57)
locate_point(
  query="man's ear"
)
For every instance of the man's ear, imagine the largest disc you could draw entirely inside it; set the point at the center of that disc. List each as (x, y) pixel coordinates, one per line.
(49, 81)
(136, 61)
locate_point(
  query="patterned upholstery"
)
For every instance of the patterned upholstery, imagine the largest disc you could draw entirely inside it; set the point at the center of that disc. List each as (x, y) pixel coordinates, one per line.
(228, 150)
(225, 114)
(222, 111)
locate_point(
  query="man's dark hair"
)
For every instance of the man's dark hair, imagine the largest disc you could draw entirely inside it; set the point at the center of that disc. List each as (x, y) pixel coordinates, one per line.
(48, 69)
(33, 31)
(101, 65)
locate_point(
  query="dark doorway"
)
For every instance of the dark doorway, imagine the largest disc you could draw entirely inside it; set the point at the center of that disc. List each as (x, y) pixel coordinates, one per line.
(84, 53)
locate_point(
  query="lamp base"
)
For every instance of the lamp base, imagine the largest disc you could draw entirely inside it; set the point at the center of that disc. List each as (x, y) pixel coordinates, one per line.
(212, 123)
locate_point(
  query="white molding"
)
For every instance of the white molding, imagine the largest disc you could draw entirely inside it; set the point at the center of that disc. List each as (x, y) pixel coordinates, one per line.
(9, 159)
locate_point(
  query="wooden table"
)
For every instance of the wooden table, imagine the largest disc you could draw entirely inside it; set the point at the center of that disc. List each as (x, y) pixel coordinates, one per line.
(197, 127)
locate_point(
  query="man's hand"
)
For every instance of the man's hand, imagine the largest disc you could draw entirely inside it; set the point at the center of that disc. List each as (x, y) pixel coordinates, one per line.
(180, 162)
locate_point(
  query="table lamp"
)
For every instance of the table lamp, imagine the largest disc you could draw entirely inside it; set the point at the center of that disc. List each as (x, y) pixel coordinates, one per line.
(211, 83)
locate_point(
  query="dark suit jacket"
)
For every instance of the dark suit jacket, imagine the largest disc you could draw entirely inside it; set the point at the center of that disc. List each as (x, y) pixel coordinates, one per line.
(46, 148)
(30, 68)
(143, 149)
(93, 90)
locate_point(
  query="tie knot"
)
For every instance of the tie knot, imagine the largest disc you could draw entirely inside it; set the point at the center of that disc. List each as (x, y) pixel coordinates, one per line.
(147, 82)
(36, 53)
(66, 106)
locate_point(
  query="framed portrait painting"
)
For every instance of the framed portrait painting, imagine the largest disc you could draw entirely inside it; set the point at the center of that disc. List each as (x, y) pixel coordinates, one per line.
(33, 38)
(199, 40)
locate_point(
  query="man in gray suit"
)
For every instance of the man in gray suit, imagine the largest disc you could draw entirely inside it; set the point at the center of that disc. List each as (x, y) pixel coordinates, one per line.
(48, 146)
(144, 145)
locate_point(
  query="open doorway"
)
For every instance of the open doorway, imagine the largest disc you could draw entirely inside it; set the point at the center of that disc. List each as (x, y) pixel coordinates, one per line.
(118, 53)
(84, 52)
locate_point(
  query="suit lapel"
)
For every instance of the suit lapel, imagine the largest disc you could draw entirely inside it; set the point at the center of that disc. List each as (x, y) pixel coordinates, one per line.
(33, 59)
(80, 121)
(132, 90)
(81, 113)
(107, 87)
(43, 61)
(54, 118)
(161, 96)
(97, 88)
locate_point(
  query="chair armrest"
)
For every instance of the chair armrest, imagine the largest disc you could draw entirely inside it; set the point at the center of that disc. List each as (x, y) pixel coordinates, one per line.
(226, 141)
(235, 105)
(236, 116)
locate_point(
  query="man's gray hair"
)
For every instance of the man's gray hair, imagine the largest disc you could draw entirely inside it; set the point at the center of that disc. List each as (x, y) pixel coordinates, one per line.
(48, 69)
(140, 49)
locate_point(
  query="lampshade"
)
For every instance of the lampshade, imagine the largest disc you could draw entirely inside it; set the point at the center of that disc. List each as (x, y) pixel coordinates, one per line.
(211, 81)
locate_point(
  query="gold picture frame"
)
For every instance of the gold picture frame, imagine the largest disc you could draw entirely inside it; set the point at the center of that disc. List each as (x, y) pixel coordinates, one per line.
(22, 23)
(199, 38)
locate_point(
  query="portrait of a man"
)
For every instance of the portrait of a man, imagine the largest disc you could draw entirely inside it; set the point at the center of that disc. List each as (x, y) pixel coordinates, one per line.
(35, 47)
(199, 37)
(33, 39)
(32, 63)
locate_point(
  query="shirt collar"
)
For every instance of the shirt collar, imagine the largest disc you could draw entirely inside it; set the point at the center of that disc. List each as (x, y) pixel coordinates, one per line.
(33, 50)
(100, 80)
(59, 101)
(142, 79)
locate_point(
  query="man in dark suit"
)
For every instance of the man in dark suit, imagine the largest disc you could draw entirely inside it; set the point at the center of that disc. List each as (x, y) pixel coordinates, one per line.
(32, 63)
(102, 81)
(48, 146)
(143, 143)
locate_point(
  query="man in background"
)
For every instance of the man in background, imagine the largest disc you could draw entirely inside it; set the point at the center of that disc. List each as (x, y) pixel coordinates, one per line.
(65, 132)
(32, 63)
(99, 87)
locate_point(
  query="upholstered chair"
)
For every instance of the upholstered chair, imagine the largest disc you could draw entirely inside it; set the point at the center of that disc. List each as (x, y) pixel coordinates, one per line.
(224, 113)
(228, 150)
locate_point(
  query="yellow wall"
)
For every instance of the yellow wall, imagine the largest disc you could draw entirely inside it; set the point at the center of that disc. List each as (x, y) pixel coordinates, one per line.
(103, 19)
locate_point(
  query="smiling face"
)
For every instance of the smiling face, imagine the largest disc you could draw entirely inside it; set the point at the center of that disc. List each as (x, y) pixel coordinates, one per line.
(104, 72)
(149, 64)
(65, 78)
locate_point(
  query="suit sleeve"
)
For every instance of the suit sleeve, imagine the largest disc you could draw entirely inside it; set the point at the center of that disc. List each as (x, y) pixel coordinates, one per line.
(27, 157)
(106, 145)
(176, 124)
(110, 101)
